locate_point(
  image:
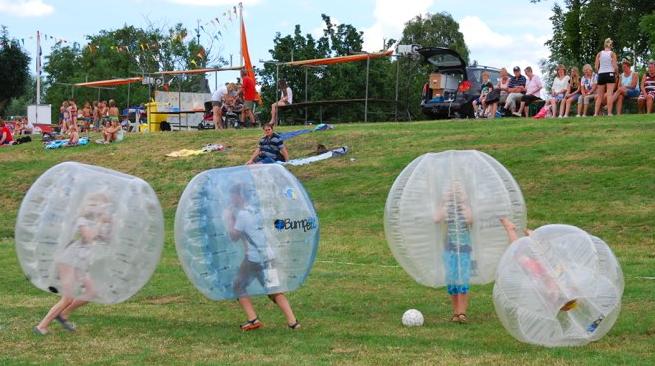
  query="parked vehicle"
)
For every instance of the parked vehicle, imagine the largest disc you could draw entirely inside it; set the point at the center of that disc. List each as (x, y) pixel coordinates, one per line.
(452, 86)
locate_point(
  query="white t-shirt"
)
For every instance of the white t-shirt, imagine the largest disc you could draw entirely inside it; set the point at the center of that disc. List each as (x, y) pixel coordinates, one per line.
(219, 94)
(249, 223)
(289, 95)
(560, 85)
(605, 62)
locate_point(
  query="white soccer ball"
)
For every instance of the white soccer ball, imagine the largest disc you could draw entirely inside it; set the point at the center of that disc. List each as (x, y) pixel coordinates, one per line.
(412, 318)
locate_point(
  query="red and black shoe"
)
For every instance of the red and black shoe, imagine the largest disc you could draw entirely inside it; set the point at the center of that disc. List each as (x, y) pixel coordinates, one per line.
(251, 325)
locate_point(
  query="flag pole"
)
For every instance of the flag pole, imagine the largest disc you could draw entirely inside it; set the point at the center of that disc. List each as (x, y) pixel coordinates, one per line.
(240, 35)
(38, 76)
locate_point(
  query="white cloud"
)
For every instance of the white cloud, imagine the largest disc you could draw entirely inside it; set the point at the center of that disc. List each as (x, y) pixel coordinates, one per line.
(26, 8)
(390, 18)
(492, 48)
(478, 34)
(213, 2)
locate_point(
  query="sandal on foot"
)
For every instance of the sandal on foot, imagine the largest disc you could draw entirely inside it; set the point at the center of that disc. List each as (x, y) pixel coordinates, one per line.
(295, 325)
(571, 304)
(462, 318)
(251, 325)
(455, 318)
(38, 331)
(65, 323)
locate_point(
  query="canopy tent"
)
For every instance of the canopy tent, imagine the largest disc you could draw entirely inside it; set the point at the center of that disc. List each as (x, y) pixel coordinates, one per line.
(196, 71)
(343, 59)
(110, 82)
(339, 59)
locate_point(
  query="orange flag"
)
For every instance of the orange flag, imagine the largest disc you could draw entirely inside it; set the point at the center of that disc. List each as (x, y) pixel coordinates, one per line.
(246, 57)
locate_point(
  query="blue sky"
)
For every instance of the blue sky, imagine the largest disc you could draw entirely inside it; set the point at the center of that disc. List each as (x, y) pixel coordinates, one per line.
(498, 33)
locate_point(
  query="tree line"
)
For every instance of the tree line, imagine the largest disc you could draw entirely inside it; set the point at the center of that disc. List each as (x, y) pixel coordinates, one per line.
(579, 28)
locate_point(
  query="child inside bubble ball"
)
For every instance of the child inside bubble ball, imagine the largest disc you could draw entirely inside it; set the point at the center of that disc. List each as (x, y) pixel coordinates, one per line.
(455, 213)
(536, 268)
(92, 226)
(244, 223)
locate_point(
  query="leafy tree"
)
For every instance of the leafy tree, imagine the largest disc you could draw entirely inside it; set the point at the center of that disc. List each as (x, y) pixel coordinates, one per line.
(431, 30)
(14, 72)
(125, 52)
(581, 26)
(18, 105)
(333, 82)
(647, 26)
(435, 30)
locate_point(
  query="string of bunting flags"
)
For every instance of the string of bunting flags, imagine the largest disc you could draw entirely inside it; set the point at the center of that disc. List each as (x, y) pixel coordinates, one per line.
(220, 22)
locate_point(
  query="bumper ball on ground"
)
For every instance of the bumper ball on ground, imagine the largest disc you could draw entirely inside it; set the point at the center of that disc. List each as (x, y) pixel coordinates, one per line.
(559, 286)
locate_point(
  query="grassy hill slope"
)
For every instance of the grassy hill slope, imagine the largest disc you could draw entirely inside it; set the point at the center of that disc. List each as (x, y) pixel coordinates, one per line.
(597, 174)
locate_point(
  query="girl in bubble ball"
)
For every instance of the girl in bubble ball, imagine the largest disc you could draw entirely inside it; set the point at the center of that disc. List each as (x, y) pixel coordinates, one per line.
(537, 269)
(455, 213)
(72, 262)
(244, 223)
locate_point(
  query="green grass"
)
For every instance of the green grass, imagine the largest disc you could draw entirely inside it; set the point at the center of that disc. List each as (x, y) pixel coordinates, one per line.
(597, 174)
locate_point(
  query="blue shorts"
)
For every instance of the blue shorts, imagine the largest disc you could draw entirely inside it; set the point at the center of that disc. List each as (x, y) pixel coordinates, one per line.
(265, 160)
(458, 271)
(632, 93)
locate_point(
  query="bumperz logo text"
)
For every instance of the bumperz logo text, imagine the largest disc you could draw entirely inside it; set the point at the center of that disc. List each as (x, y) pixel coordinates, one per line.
(289, 224)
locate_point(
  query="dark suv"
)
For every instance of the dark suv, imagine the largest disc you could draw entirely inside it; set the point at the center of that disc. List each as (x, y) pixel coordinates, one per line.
(456, 85)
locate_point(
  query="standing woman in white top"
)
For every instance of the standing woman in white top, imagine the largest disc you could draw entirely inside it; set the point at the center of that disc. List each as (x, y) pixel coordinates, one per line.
(606, 68)
(286, 99)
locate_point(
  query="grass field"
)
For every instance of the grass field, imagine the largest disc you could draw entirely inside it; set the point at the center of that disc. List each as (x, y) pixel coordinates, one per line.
(597, 174)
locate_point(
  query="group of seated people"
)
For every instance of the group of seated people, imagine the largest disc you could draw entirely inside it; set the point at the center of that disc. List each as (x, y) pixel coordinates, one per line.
(513, 93)
(21, 126)
(100, 116)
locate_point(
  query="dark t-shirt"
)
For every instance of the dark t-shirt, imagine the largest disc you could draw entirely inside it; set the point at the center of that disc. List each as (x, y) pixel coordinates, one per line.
(270, 147)
(514, 81)
(248, 86)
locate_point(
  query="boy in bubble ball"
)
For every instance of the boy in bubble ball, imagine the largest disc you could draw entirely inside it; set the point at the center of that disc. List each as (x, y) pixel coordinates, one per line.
(72, 262)
(455, 213)
(244, 223)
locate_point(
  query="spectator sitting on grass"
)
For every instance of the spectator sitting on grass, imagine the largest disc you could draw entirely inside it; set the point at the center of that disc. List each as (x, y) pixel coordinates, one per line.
(648, 87)
(532, 91)
(271, 148)
(628, 85)
(587, 89)
(6, 137)
(516, 89)
(27, 127)
(110, 133)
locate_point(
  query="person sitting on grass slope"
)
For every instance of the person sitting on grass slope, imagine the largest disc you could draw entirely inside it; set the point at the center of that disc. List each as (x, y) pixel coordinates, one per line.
(271, 148)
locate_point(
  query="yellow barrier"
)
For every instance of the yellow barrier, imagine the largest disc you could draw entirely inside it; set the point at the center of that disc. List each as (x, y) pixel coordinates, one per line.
(154, 120)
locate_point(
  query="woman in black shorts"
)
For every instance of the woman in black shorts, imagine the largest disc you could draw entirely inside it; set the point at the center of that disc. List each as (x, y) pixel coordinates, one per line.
(606, 68)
